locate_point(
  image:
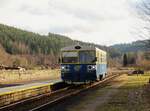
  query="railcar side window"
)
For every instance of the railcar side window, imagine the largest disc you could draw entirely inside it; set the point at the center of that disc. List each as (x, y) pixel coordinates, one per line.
(86, 56)
(69, 57)
(103, 58)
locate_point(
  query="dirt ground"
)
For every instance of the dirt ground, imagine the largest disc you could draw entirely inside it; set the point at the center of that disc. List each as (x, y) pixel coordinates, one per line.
(101, 96)
(130, 97)
(125, 93)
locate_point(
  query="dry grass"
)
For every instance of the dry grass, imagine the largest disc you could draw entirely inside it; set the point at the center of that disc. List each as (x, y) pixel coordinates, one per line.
(11, 77)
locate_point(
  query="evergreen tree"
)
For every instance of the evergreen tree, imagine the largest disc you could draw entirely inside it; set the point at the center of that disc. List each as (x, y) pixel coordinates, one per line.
(125, 60)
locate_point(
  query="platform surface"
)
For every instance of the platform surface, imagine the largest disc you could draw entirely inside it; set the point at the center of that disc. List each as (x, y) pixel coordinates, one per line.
(12, 89)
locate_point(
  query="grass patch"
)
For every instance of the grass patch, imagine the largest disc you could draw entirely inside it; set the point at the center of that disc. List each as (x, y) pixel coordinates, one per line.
(130, 96)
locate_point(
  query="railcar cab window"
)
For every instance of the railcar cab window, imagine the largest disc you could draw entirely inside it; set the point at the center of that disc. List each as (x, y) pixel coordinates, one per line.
(69, 57)
(87, 57)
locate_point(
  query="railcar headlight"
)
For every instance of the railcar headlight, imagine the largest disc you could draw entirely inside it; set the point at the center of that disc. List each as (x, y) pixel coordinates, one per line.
(65, 68)
(91, 67)
(62, 67)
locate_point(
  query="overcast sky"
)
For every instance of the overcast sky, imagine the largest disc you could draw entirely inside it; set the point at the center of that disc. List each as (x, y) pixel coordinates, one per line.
(105, 22)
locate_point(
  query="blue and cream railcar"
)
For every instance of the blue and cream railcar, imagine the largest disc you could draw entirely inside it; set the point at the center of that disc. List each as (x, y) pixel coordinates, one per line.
(82, 64)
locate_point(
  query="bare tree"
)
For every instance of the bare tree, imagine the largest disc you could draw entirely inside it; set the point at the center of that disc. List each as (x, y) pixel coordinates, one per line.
(143, 12)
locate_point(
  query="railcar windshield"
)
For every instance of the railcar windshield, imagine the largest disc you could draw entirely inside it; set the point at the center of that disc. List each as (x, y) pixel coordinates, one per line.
(69, 57)
(87, 56)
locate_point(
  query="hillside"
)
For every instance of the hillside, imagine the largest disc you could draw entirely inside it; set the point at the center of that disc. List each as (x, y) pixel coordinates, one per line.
(133, 47)
(30, 49)
(16, 41)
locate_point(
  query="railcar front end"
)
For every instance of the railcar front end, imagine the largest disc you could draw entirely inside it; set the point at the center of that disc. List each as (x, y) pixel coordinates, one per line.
(80, 66)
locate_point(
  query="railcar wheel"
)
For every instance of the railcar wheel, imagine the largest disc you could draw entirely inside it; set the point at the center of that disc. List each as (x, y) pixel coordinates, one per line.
(100, 77)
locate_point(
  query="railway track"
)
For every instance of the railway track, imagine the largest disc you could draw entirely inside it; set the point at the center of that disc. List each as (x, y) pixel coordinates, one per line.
(41, 102)
(73, 92)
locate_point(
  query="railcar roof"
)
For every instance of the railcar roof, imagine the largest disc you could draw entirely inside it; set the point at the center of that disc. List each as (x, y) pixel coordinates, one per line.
(71, 48)
(74, 48)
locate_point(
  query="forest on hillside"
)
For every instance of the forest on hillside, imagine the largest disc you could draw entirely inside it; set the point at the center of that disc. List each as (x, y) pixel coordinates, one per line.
(16, 41)
(28, 49)
(138, 53)
(142, 45)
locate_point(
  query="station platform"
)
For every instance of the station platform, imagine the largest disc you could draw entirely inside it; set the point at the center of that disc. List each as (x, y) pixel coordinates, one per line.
(16, 93)
(27, 86)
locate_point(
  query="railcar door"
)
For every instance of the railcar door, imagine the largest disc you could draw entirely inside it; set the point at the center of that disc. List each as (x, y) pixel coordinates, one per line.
(87, 58)
(77, 71)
